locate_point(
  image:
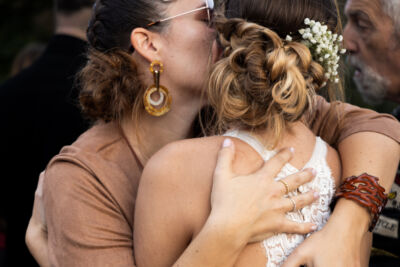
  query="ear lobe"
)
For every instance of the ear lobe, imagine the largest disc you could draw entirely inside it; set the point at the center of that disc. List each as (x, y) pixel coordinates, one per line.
(142, 41)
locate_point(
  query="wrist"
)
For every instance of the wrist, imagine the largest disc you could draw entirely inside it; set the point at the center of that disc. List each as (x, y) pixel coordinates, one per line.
(227, 231)
(366, 192)
(351, 216)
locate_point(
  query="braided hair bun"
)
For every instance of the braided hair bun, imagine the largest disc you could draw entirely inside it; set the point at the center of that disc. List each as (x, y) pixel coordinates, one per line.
(262, 81)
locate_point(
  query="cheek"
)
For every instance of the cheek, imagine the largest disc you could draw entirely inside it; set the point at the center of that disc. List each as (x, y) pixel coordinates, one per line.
(188, 50)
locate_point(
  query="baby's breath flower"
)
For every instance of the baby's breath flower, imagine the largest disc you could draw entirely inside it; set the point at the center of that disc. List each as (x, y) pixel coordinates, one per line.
(324, 45)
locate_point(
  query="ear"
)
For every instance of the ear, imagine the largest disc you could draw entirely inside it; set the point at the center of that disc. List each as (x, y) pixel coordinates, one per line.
(146, 43)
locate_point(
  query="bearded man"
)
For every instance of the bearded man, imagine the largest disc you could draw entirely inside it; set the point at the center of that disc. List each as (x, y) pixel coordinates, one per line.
(372, 39)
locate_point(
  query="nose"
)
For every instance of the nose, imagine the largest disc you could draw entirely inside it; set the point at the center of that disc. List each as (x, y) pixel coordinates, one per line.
(350, 39)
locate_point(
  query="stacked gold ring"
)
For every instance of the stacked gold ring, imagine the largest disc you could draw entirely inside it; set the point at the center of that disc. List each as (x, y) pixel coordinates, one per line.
(294, 204)
(286, 186)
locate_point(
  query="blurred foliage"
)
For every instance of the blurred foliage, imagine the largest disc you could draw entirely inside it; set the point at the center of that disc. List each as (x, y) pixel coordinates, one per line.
(25, 21)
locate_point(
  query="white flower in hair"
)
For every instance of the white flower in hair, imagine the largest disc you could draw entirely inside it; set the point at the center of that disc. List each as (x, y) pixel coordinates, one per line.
(288, 38)
(324, 45)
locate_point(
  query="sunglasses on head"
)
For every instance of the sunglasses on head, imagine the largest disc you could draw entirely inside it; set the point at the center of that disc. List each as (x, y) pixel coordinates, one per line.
(209, 6)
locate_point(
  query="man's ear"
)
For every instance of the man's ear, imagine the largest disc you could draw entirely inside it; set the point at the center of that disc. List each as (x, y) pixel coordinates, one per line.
(145, 43)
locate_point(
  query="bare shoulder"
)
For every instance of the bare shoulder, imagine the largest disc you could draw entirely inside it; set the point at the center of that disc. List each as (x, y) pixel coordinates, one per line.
(181, 172)
(197, 157)
(184, 157)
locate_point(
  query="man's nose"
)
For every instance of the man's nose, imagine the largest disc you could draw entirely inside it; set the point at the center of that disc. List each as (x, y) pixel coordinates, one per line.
(349, 40)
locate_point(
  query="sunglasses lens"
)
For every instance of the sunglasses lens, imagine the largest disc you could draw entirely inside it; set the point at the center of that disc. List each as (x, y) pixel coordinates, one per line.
(210, 4)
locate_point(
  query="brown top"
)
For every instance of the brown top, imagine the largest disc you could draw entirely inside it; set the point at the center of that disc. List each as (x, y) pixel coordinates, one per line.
(89, 198)
(90, 188)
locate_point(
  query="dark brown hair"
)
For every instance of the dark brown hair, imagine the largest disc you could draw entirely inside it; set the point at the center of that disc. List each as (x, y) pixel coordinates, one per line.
(286, 17)
(70, 6)
(110, 84)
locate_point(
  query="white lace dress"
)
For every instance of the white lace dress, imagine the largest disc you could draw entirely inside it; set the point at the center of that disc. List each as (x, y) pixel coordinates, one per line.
(279, 246)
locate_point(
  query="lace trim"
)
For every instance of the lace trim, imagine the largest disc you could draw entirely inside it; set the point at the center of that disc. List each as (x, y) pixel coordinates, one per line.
(279, 247)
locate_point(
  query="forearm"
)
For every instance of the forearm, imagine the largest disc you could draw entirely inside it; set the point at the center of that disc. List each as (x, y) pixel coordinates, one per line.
(371, 153)
(36, 241)
(215, 246)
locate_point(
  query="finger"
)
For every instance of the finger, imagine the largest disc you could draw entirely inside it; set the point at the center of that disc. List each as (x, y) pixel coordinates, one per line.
(295, 180)
(223, 168)
(38, 206)
(291, 227)
(272, 167)
(300, 201)
(39, 188)
(296, 259)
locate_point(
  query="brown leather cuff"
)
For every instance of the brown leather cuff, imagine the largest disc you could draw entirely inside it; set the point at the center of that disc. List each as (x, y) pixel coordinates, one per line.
(366, 191)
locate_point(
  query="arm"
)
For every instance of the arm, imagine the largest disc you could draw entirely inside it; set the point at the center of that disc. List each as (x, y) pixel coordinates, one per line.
(36, 234)
(337, 121)
(243, 208)
(84, 220)
(226, 230)
(370, 145)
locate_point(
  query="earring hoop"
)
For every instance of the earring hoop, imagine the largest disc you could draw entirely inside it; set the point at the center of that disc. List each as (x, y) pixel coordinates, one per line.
(162, 105)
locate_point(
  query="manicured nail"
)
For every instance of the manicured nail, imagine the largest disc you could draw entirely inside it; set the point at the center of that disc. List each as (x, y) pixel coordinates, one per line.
(316, 195)
(314, 172)
(314, 227)
(227, 143)
(291, 149)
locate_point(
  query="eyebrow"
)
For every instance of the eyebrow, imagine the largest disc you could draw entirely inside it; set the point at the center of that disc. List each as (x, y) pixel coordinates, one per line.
(359, 14)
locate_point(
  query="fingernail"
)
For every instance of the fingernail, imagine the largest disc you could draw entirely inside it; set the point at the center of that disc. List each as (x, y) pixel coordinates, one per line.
(227, 143)
(314, 227)
(291, 149)
(316, 194)
(314, 172)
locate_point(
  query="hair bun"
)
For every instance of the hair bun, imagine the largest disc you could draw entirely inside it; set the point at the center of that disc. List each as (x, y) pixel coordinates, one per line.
(262, 81)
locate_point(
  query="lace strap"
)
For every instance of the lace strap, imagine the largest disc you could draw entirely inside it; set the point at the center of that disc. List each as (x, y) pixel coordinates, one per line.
(251, 141)
(320, 152)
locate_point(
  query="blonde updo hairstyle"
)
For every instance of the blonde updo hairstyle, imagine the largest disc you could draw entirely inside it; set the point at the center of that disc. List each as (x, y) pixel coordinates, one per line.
(262, 81)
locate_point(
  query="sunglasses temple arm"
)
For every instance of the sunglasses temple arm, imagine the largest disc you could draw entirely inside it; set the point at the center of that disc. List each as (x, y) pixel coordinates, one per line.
(185, 13)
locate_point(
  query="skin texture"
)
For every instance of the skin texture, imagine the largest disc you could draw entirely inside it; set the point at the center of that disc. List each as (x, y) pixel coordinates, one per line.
(224, 242)
(184, 81)
(369, 36)
(176, 208)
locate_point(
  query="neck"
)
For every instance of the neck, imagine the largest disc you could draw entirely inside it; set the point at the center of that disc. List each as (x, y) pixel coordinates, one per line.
(153, 133)
(74, 24)
(72, 31)
(287, 136)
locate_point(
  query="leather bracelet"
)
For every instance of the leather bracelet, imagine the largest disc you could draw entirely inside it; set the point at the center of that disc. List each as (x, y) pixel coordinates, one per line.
(366, 191)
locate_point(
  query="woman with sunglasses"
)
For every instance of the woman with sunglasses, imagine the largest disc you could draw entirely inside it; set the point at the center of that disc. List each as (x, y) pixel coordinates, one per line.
(143, 84)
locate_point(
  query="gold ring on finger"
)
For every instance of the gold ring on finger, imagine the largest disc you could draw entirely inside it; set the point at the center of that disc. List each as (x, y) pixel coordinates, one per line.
(294, 204)
(286, 186)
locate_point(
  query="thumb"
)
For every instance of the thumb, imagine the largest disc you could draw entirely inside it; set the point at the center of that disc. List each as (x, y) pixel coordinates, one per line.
(223, 168)
(295, 259)
(38, 206)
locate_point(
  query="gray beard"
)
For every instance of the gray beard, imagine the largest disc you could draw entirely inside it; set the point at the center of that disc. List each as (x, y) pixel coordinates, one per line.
(371, 85)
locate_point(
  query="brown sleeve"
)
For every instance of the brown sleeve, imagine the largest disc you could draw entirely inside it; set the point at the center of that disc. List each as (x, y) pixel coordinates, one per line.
(85, 225)
(336, 121)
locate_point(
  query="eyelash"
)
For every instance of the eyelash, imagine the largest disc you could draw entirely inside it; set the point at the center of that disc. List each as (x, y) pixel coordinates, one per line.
(361, 25)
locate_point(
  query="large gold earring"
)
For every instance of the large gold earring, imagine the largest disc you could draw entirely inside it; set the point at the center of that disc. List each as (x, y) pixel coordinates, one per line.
(162, 105)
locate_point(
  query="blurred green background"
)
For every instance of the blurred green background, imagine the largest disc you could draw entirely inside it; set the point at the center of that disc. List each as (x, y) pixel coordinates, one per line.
(26, 21)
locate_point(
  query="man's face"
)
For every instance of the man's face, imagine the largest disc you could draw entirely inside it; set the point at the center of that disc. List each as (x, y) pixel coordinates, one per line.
(374, 50)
